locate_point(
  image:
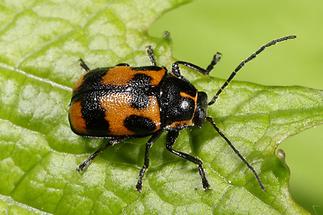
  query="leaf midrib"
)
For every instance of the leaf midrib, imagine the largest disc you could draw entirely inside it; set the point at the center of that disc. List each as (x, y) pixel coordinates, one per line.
(35, 77)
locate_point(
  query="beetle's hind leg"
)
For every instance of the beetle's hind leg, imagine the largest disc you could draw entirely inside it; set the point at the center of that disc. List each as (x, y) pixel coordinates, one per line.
(176, 71)
(150, 53)
(83, 65)
(85, 164)
(171, 138)
(146, 161)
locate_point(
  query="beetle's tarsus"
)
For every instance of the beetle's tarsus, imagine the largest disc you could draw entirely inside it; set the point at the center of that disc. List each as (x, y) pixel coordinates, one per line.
(139, 186)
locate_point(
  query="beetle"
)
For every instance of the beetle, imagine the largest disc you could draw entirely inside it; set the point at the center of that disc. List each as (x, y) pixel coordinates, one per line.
(123, 102)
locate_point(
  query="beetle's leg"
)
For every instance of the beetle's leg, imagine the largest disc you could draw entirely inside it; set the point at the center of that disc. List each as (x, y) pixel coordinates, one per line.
(146, 161)
(150, 53)
(176, 71)
(83, 65)
(209, 119)
(84, 165)
(171, 137)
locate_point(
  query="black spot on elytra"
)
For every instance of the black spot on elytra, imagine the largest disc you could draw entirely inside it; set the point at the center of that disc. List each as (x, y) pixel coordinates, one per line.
(139, 125)
(91, 82)
(140, 86)
(94, 114)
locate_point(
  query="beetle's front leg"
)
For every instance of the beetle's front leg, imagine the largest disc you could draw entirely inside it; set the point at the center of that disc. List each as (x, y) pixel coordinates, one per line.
(176, 71)
(171, 138)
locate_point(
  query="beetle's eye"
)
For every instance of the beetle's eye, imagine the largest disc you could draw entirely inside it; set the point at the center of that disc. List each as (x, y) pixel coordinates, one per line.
(185, 108)
(184, 105)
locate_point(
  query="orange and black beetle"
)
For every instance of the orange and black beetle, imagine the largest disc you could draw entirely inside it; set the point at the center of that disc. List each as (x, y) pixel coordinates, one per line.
(122, 101)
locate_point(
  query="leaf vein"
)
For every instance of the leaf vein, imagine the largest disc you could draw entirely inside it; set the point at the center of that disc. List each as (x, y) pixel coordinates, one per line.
(34, 77)
(28, 172)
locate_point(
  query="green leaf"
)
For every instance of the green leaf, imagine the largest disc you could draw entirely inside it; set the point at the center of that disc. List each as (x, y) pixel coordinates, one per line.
(41, 42)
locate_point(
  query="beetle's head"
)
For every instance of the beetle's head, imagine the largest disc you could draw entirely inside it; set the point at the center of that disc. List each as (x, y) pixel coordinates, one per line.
(201, 109)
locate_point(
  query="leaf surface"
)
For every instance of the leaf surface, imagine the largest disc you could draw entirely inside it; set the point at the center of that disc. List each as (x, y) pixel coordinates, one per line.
(41, 42)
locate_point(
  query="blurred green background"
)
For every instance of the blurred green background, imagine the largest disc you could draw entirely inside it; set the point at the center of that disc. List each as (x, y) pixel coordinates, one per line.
(236, 29)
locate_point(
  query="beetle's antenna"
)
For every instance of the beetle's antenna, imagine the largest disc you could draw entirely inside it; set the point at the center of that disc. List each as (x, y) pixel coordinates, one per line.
(252, 56)
(209, 119)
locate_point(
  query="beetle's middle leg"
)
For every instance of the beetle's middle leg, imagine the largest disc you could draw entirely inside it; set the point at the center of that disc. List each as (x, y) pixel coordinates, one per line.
(150, 53)
(83, 65)
(85, 164)
(146, 161)
(176, 71)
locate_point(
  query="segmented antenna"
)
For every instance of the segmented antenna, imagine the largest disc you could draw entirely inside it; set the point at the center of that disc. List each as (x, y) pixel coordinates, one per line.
(210, 120)
(262, 48)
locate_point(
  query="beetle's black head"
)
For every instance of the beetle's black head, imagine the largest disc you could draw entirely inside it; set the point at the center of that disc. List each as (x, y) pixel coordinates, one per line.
(201, 109)
(178, 99)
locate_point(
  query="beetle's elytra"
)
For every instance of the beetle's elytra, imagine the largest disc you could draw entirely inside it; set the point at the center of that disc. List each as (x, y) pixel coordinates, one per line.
(121, 102)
